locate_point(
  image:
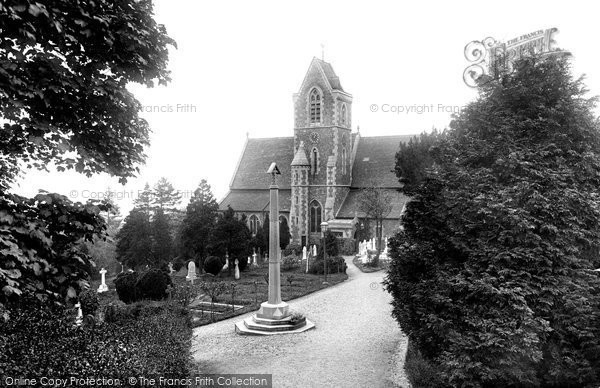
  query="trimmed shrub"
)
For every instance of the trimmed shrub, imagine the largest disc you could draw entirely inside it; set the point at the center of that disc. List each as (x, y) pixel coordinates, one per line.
(213, 265)
(89, 301)
(332, 246)
(125, 284)
(289, 263)
(347, 246)
(292, 249)
(153, 284)
(334, 265)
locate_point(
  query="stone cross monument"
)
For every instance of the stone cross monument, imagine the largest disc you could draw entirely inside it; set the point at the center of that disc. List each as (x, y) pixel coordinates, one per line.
(103, 287)
(274, 308)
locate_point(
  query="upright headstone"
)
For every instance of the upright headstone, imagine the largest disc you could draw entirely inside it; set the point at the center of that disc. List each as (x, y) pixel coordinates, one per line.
(314, 250)
(226, 266)
(79, 318)
(171, 270)
(305, 257)
(103, 287)
(254, 262)
(236, 274)
(191, 275)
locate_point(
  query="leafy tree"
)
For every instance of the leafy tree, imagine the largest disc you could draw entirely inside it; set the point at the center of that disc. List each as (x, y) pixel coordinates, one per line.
(258, 242)
(266, 231)
(333, 248)
(415, 157)
(284, 233)
(376, 203)
(134, 240)
(64, 74)
(143, 201)
(199, 222)
(492, 275)
(162, 242)
(230, 235)
(165, 196)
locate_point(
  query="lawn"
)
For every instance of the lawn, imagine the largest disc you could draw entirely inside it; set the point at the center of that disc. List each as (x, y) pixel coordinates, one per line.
(246, 294)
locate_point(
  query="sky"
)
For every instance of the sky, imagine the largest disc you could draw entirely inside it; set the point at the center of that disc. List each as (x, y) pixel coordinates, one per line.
(238, 64)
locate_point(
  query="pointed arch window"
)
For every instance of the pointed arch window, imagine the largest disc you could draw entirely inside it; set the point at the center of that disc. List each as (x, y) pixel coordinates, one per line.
(315, 106)
(254, 224)
(315, 217)
(344, 161)
(344, 116)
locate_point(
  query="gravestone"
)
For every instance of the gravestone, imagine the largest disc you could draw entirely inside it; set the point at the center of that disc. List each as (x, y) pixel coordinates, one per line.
(103, 287)
(237, 270)
(191, 275)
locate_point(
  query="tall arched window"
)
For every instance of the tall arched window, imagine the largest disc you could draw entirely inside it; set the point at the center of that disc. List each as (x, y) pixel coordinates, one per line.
(344, 116)
(343, 160)
(315, 106)
(254, 224)
(315, 217)
(314, 160)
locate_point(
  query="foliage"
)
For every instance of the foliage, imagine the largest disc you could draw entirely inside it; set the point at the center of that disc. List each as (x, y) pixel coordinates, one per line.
(242, 263)
(153, 284)
(230, 235)
(421, 372)
(42, 340)
(40, 245)
(332, 243)
(284, 233)
(363, 232)
(126, 286)
(134, 240)
(162, 242)
(165, 197)
(335, 264)
(89, 301)
(492, 276)
(293, 249)
(346, 246)
(259, 243)
(64, 76)
(415, 157)
(199, 223)
(213, 265)
(289, 263)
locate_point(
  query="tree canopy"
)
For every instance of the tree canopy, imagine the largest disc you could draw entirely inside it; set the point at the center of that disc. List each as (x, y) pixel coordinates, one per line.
(492, 275)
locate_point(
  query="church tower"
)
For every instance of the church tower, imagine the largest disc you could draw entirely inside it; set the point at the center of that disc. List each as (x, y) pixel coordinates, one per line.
(322, 138)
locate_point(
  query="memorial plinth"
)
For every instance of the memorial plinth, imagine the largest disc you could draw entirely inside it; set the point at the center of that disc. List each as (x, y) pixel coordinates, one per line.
(273, 317)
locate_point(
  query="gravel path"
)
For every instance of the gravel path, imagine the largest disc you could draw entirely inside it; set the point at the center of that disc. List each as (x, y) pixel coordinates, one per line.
(356, 342)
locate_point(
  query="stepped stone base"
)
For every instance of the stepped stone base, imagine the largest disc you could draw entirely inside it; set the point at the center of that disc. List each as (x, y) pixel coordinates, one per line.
(255, 325)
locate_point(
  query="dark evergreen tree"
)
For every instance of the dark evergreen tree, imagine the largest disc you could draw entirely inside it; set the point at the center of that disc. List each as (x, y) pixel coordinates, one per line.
(284, 233)
(199, 222)
(143, 201)
(162, 242)
(164, 196)
(134, 240)
(415, 157)
(492, 277)
(265, 232)
(231, 235)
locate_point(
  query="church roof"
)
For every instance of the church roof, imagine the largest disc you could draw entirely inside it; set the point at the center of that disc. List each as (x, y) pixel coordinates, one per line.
(254, 200)
(300, 159)
(333, 79)
(349, 208)
(256, 158)
(375, 161)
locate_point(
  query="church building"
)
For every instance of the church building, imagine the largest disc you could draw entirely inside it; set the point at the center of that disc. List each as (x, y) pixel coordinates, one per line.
(324, 166)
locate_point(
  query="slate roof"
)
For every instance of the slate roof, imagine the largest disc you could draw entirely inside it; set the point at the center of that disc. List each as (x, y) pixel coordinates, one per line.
(374, 164)
(333, 79)
(254, 200)
(257, 156)
(350, 206)
(375, 161)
